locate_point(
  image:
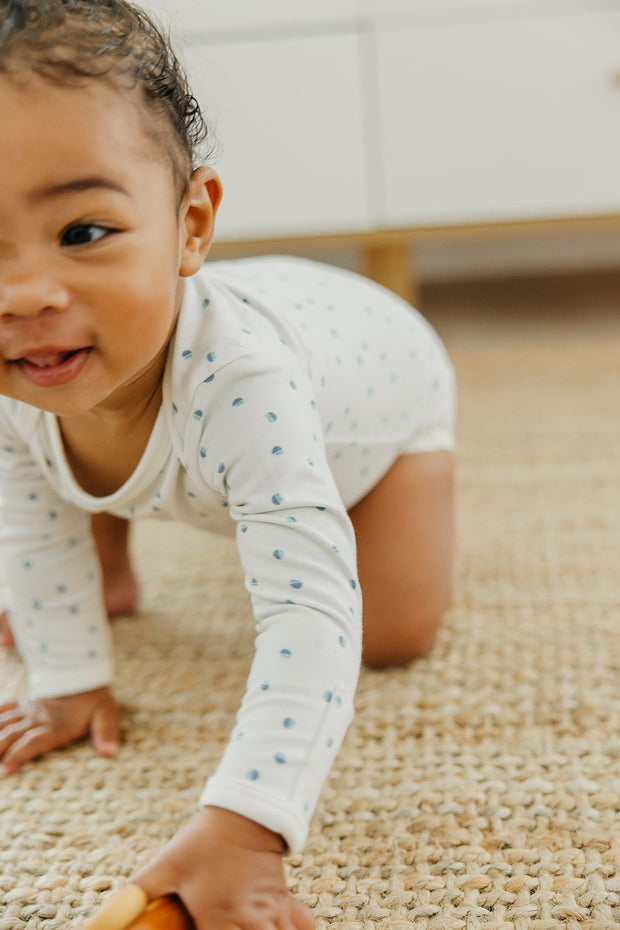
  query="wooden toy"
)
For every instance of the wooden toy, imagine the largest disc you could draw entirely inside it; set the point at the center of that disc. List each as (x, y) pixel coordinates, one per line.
(165, 913)
(130, 910)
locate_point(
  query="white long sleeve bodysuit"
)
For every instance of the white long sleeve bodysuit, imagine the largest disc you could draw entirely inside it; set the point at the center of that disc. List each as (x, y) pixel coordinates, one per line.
(289, 390)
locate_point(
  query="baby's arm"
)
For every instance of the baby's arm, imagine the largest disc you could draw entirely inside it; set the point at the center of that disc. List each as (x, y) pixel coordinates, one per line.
(297, 549)
(262, 452)
(53, 587)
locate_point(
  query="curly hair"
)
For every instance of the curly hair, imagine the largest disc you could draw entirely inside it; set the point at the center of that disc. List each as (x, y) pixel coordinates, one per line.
(67, 41)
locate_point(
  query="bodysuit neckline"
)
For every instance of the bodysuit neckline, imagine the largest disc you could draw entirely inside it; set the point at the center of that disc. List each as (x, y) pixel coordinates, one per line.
(150, 465)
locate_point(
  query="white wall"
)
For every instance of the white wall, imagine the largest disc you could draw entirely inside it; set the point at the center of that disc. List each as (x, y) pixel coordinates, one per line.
(354, 115)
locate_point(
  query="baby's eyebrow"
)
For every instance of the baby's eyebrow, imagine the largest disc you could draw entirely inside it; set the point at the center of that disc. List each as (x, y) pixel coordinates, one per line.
(76, 186)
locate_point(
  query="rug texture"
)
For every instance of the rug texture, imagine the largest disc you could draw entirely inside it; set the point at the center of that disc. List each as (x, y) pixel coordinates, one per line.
(477, 788)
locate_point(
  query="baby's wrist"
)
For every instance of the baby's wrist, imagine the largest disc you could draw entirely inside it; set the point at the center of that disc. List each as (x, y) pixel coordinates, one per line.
(243, 831)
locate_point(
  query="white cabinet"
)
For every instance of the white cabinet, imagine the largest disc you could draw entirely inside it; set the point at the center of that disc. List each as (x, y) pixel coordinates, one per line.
(390, 120)
(288, 114)
(281, 82)
(410, 11)
(499, 121)
(189, 16)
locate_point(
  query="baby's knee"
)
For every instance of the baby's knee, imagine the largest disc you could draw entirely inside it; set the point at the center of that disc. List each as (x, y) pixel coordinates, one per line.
(398, 644)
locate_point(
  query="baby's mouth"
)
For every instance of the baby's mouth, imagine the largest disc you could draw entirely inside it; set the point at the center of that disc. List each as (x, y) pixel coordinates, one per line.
(53, 367)
(48, 359)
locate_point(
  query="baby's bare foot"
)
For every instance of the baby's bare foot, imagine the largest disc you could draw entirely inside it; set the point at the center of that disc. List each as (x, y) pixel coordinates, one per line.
(120, 586)
(121, 591)
(6, 636)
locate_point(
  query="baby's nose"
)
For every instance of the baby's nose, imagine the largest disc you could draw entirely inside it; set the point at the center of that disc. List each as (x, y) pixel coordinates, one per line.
(30, 294)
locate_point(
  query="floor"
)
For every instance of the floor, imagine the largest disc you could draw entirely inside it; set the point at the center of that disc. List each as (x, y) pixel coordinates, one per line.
(477, 789)
(573, 308)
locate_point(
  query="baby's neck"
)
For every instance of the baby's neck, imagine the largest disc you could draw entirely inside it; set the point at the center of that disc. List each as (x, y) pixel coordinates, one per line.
(104, 447)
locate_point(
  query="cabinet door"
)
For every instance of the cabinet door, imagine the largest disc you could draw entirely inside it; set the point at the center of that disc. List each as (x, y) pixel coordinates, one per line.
(386, 11)
(499, 121)
(187, 16)
(288, 116)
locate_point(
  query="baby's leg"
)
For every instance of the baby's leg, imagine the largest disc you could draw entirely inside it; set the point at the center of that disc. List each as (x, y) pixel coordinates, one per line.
(405, 542)
(120, 585)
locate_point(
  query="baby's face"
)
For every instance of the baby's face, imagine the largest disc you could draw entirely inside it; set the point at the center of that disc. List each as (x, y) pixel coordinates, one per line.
(91, 248)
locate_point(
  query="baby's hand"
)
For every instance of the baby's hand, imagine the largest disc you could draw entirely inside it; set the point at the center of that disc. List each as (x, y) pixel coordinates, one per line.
(30, 727)
(228, 872)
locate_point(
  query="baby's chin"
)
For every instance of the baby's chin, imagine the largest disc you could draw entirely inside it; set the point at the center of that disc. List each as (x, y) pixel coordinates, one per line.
(82, 382)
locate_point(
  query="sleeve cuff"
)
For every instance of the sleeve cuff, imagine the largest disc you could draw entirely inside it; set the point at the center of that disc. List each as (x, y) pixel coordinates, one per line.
(239, 796)
(43, 685)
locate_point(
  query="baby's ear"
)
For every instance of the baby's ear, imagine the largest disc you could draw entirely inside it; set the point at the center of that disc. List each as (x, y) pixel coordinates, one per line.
(197, 219)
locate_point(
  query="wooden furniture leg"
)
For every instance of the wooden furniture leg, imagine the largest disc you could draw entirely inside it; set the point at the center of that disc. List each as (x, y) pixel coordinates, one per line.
(391, 264)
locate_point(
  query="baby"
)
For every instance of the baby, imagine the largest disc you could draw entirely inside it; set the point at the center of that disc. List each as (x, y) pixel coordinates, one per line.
(302, 408)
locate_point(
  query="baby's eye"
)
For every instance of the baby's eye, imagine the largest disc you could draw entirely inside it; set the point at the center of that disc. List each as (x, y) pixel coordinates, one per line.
(83, 234)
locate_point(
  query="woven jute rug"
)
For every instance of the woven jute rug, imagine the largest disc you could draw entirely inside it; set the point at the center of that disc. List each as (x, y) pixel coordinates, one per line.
(477, 788)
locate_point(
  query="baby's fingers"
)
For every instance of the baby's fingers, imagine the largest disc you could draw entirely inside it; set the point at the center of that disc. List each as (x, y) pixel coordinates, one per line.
(13, 728)
(8, 712)
(26, 745)
(105, 728)
(301, 916)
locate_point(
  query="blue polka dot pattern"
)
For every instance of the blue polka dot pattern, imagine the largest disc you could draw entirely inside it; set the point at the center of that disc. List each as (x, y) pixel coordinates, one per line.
(293, 388)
